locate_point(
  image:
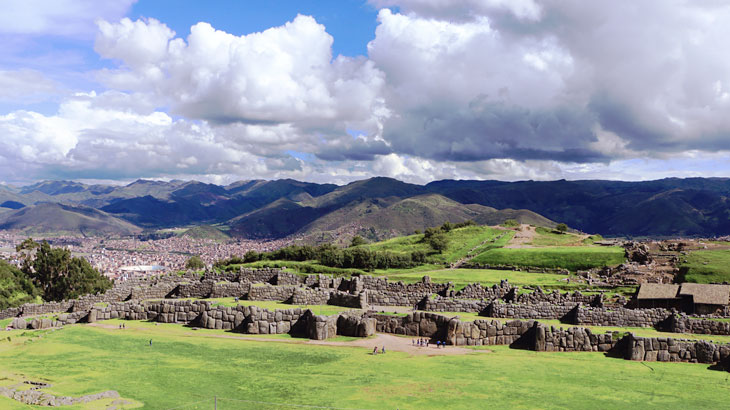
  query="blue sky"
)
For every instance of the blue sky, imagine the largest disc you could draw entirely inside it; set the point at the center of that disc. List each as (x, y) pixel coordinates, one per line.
(351, 22)
(334, 91)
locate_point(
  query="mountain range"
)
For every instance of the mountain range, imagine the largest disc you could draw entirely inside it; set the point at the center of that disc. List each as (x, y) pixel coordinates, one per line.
(376, 208)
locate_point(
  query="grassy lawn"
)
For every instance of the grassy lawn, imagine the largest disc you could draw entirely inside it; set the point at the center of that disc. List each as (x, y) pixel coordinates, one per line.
(549, 237)
(180, 369)
(568, 257)
(706, 266)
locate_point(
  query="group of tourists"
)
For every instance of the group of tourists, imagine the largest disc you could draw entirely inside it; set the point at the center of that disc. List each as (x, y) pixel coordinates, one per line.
(422, 342)
(375, 350)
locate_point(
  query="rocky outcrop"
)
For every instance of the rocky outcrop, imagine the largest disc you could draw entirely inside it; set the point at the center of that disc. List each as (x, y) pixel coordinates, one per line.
(37, 397)
(637, 252)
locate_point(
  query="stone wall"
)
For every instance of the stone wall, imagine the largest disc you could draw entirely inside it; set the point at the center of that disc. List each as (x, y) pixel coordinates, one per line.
(675, 350)
(477, 291)
(197, 289)
(555, 297)
(309, 296)
(574, 339)
(441, 304)
(269, 292)
(258, 275)
(419, 324)
(387, 298)
(45, 308)
(453, 331)
(684, 324)
(11, 312)
(339, 298)
(489, 332)
(424, 287)
(535, 311)
(229, 289)
(622, 317)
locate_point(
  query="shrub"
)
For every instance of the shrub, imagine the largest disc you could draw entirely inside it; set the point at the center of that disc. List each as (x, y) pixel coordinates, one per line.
(194, 263)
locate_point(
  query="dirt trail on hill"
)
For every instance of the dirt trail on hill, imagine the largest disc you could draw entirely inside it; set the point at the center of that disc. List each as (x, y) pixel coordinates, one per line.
(470, 255)
(522, 237)
(392, 343)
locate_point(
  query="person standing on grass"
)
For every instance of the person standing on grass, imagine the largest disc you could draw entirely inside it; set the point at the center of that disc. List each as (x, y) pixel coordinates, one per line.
(375, 350)
(150, 342)
(382, 350)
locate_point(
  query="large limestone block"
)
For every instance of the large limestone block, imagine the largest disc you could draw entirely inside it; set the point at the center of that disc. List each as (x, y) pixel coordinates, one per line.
(19, 323)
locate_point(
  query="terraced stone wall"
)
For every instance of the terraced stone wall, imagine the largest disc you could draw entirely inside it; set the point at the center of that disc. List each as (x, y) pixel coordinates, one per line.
(676, 350)
(270, 292)
(685, 324)
(441, 304)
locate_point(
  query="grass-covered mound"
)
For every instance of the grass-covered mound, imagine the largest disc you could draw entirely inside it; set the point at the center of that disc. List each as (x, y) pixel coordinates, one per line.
(705, 266)
(183, 367)
(567, 257)
(460, 242)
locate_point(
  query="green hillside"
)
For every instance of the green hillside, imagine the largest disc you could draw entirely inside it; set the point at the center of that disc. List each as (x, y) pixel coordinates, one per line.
(461, 241)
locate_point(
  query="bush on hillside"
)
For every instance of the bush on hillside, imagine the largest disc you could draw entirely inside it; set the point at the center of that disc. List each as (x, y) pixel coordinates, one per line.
(357, 240)
(438, 242)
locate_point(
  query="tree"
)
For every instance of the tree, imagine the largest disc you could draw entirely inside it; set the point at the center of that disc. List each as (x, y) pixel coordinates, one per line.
(429, 232)
(510, 223)
(438, 242)
(251, 256)
(60, 276)
(16, 287)
(446, 227)
(561, 227)
(357, 240)
(194, 263)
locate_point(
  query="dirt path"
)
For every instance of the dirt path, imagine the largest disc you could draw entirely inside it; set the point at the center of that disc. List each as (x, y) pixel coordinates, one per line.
(392, 343)
(522, 237)
(470, 255)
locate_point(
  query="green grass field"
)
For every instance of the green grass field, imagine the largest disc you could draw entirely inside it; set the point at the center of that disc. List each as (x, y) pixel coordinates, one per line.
(183, 367)
(567, 257)
(549, 237)
(706, 266)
